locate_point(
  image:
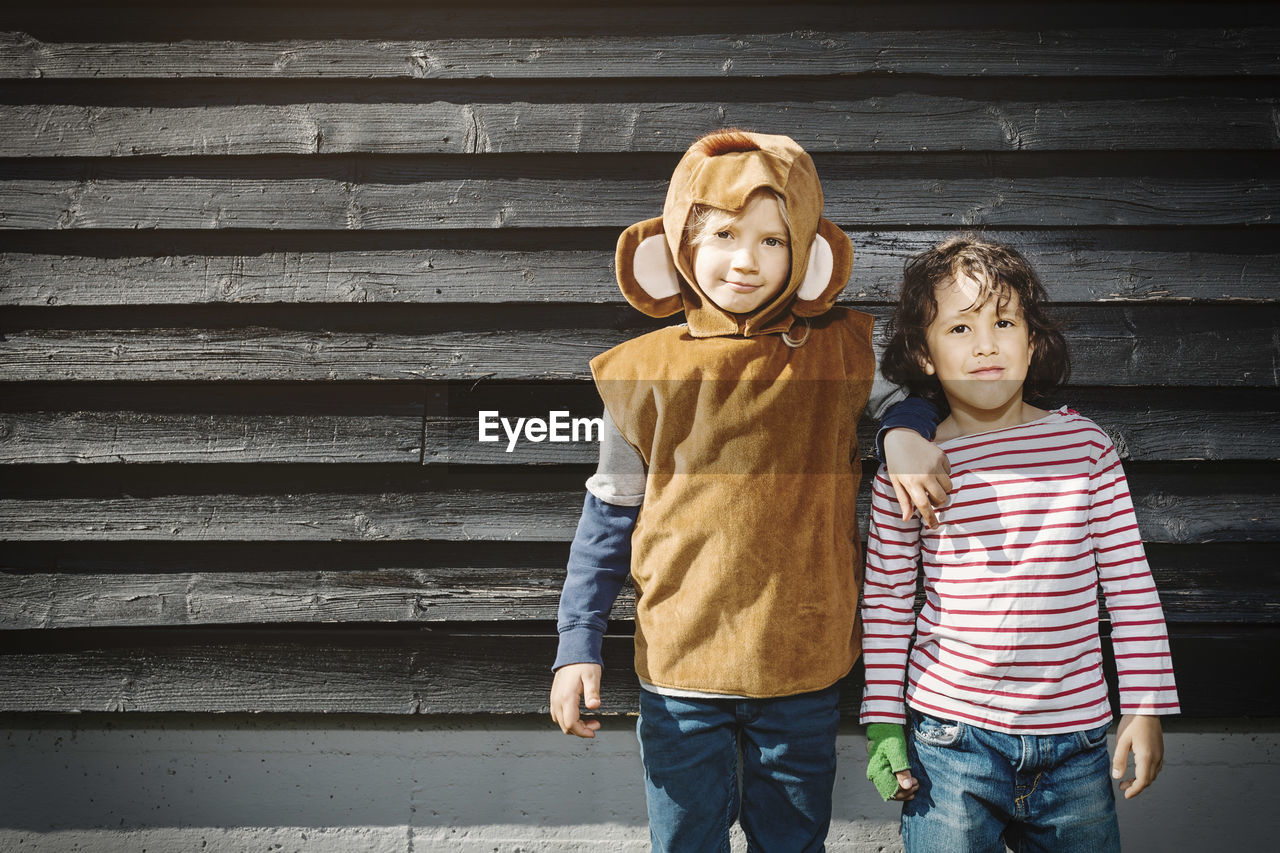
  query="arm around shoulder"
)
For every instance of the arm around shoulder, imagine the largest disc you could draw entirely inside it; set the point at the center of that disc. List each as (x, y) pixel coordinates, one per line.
(918, 470)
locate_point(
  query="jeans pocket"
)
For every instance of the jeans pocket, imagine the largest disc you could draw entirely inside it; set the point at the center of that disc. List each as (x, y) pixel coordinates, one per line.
(1092, 738)
(937, 732)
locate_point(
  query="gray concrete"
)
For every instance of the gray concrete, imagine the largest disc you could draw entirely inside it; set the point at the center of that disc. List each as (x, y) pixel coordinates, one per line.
(108, 783)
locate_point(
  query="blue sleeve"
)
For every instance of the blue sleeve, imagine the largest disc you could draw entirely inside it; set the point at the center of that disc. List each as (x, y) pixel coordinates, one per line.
(599, 562)
(915, 413)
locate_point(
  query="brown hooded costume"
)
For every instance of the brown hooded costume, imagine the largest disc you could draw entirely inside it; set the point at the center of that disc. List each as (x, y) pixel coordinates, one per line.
(745, 554)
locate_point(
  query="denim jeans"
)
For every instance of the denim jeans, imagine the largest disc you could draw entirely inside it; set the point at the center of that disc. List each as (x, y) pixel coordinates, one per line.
(982, 789)
(695, 750)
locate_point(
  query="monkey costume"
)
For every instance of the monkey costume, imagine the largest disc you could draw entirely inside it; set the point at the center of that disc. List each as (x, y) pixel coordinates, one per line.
(745, 555)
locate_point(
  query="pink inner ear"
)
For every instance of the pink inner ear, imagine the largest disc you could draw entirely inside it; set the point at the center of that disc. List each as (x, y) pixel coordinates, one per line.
(821, 263)
(654, 270)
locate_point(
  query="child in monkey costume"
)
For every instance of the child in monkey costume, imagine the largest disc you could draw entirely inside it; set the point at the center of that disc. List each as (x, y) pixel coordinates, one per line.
(727, 488)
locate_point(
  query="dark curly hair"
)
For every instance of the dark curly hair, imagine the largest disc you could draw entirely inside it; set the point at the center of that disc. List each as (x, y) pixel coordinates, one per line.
(1003, 272)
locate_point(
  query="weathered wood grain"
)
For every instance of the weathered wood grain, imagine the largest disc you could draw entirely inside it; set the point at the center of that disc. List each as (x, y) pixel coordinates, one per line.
(1146, 427)
(1076, 266)
(179, 203)
(270, 354)
(1151, 427)
(1187, 506)
(1227, 583)
(1216, 584)
(303, 201)
(449, 515)
(173, 437)
(894, 122)
(1138, 345)
(1109, 52)
(238, 597)
(280, 19)
(442, 672)
(439, 276)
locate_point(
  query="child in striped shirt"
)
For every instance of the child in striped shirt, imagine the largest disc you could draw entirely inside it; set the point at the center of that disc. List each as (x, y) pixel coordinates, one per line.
(1004, 698)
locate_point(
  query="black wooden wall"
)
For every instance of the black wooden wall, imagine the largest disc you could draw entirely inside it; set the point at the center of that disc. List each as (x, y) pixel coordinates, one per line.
(261, 265)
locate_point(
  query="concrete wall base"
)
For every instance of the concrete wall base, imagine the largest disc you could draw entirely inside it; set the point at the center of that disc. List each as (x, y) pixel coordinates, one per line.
(233, 784)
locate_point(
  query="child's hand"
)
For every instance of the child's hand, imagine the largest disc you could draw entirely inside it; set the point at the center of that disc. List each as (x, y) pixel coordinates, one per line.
(919, 472)
(1142, 734)
(571, 684)
(887, 765)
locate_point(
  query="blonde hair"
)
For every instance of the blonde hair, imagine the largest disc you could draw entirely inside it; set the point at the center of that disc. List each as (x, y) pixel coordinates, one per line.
(706, 221)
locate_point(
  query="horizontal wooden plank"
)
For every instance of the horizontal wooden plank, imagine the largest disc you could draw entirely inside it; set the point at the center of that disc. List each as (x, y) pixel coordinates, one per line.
(438, 276)
(414, 203)
(535, 559)
(440, 672)
(238, 597)
(1197, 584)
(1100, 52)
(1077, 267)
(1166, 431)
(276, 19)
(1188, 506)
(1143, 430)
(449, 515)
(130, 436)
(1140, 345)
(366, 672)
(1217, 583)
(894, 122)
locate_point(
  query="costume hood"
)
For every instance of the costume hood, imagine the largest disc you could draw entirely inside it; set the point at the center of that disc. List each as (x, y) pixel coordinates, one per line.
(722, 170)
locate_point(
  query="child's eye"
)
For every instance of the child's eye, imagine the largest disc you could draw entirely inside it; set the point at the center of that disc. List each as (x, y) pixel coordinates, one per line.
(722, 235)
(773, 241)
(1004, 324)
(960, 330)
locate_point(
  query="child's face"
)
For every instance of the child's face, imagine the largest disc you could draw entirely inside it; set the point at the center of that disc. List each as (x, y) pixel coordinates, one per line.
(980, 355)
(747, 263)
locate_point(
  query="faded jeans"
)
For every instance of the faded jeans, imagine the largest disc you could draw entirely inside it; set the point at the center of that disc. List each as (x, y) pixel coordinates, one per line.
(694, 749)
(982, 789)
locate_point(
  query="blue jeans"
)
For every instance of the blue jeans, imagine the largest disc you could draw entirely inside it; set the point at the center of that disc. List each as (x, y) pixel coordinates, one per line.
(694, 751)
(981, 789)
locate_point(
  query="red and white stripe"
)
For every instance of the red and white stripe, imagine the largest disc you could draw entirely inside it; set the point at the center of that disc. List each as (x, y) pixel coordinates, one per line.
(1007, 639)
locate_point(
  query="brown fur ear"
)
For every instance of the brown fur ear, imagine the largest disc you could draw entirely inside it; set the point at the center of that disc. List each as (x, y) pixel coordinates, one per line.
(646, 272)
(827, 272)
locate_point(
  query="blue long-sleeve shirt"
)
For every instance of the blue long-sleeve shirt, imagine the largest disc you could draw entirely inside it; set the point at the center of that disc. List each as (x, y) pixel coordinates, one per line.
(599, 562)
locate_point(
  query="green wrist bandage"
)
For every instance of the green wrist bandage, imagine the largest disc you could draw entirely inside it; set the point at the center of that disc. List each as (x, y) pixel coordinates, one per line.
(887, 748)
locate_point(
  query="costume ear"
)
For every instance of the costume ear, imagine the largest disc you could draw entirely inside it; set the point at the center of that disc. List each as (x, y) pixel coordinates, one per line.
(818, 274)
(830, 262)
(646, 273)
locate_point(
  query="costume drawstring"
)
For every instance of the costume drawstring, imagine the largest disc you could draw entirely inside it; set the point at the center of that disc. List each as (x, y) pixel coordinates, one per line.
(793, 342)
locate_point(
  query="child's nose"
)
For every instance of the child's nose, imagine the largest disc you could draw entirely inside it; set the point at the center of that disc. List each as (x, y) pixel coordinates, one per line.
(744, 259)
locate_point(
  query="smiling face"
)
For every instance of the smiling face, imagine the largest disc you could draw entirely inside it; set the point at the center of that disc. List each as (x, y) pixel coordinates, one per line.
(746, 261)
(979, 352)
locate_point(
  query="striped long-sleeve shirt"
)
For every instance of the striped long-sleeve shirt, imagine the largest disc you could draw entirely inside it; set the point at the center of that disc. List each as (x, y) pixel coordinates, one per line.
(1007, 638)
